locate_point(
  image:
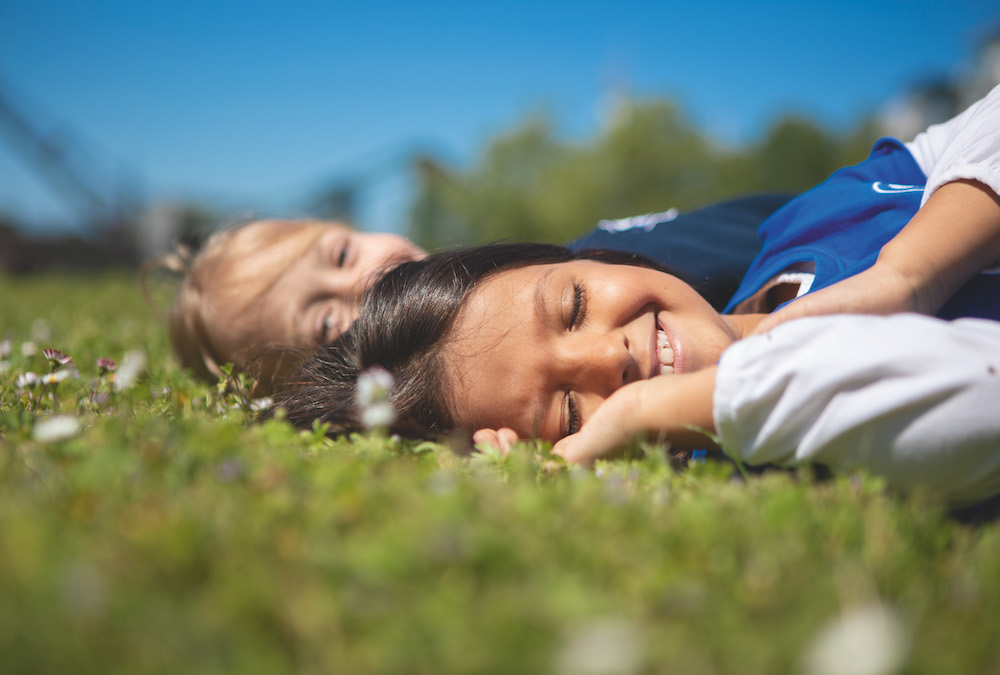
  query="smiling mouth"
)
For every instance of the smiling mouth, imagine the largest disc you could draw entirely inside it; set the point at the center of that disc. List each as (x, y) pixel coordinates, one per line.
(664, 353)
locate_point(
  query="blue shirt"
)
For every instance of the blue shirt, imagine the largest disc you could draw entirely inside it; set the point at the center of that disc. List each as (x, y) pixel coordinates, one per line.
(840, 226)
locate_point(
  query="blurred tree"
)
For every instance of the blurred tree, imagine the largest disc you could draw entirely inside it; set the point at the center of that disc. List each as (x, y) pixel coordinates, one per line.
(497, 198)
(530, 185)
(795, 155)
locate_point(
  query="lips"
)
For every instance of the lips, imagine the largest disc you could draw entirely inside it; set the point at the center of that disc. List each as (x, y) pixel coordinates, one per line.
(664, 353)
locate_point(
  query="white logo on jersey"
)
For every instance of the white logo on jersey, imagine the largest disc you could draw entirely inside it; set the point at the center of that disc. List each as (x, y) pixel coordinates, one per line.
(646, 222)
(895, 188)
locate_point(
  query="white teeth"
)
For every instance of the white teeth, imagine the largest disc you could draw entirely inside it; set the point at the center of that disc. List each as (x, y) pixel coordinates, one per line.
(664, 352)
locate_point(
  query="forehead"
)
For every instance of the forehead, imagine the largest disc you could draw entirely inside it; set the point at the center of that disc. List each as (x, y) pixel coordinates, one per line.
(489, 355)
(246, 264)
(276, 242)
(246, 261)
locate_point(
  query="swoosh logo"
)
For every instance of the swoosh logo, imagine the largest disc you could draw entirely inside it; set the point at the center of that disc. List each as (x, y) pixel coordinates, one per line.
(895, 188)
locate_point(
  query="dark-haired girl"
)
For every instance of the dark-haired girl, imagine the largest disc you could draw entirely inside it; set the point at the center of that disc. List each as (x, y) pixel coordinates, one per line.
(518, 341)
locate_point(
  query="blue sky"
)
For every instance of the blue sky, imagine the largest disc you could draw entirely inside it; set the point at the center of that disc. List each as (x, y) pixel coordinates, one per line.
(249, 104)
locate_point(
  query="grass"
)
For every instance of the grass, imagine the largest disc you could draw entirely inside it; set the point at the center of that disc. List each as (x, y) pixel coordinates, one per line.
(170, 535)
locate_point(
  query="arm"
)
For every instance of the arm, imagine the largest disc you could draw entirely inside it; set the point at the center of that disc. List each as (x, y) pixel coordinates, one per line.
(954, 235)
(664, 407)
(907, 397)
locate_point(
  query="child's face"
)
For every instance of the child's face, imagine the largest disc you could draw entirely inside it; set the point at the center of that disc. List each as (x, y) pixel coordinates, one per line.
(537, 349)
(318, 272)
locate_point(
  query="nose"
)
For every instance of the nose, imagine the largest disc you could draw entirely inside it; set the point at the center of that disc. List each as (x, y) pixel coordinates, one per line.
(599, 363)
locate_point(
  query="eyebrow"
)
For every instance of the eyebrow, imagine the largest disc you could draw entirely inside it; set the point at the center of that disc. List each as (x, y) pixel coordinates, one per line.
(541, 312)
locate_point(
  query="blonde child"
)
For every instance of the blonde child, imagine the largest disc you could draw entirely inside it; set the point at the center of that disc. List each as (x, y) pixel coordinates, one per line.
(255, 294)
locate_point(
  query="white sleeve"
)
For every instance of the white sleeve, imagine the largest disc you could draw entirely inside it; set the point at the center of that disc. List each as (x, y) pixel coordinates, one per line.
(965, 147)
(908, 397)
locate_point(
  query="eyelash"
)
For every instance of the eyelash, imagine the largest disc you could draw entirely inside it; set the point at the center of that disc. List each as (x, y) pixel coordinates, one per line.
(574, 318)
(324, 329)
(574, 416)
(342, 256)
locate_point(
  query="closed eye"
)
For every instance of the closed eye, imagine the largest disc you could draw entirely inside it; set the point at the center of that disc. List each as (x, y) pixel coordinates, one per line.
(574, 416)
(342, 256)
(575, 317)
(322, 335)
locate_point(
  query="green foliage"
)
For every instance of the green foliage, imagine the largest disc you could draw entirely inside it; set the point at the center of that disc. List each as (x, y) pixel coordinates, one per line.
(530, 185)
(169, 535)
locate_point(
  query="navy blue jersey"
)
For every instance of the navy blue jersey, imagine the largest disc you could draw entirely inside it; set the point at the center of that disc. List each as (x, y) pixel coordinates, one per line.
(840, 226)
(710, 248)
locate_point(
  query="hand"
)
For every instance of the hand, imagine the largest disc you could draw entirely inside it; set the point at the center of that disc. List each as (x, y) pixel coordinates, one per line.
(611, 427)
(877, 290)
(673, 407)
(502, 439)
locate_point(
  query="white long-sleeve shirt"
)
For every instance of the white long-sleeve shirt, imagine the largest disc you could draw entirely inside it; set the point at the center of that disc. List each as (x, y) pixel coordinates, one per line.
(911, 398)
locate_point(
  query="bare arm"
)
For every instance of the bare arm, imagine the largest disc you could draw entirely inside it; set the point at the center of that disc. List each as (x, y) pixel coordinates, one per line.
(953, 237)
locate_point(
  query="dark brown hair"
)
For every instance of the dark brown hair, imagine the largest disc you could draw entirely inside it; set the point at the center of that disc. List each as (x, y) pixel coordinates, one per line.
(406, 318)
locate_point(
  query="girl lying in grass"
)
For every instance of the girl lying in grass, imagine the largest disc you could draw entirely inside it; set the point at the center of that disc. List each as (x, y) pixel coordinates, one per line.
(524, 341)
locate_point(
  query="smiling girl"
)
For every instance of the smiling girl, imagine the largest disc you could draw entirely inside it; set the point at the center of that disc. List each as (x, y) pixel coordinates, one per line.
(529, 341)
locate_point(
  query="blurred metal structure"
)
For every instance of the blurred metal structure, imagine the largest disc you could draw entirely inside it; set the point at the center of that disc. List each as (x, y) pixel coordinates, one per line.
(105, 211)
(62, 162)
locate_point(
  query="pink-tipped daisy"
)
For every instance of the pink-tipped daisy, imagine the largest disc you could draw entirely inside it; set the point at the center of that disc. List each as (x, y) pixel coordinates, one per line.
(105, 366)
(56, 358)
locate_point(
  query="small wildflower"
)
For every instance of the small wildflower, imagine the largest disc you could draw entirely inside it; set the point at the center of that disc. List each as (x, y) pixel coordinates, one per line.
(373, 386)
(105, 366)
(259, 404)
(373, 398)
(27, 380)
(5, 348)
(603, 646)
(56, 358)
(56, 428)
(132, 367)
(28, 349)
(229, 470)
(863, 641)
(56, 377)
(378, 415)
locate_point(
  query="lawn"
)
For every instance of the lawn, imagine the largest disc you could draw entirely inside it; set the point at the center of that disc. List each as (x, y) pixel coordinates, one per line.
(147, 526)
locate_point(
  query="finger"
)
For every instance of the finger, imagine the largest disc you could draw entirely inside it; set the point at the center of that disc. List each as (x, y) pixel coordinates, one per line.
(505, 439)
(485, 437)
(573, 451)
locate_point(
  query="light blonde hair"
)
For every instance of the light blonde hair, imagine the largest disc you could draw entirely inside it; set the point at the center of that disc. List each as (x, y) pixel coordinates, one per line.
(220, 281)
